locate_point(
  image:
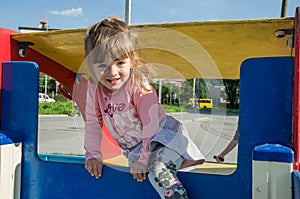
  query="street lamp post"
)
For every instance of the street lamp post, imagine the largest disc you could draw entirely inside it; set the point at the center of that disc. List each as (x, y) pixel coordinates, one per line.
(128, 12)
(283, 8)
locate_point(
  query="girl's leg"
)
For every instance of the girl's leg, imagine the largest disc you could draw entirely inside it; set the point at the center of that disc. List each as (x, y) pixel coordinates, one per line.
(164, 164)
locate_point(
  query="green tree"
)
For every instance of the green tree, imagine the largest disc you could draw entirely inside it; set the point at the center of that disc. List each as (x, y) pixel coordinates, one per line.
(51, 84)
(165, 92)
(186, 91)
(201, 88)
(232, 88)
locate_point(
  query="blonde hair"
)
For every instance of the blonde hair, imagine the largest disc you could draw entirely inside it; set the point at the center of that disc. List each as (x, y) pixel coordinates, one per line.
(112, 37)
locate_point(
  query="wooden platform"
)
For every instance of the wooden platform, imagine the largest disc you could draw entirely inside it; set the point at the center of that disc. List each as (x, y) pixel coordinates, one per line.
(207, 167)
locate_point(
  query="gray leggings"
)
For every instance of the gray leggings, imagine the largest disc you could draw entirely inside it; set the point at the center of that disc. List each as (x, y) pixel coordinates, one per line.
(164, 164)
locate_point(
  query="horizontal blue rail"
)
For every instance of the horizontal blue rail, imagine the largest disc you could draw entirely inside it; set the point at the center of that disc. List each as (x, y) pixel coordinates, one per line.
(62, 158)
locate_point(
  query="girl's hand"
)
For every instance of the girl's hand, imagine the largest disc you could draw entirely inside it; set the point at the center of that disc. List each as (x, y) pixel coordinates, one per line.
(139, 171)
(94, 167)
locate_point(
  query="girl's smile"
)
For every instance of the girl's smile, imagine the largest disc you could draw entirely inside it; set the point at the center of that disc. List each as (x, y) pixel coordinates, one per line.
(113, 81)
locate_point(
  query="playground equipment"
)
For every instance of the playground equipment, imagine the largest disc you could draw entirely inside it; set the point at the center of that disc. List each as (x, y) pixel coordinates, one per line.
(255, 51)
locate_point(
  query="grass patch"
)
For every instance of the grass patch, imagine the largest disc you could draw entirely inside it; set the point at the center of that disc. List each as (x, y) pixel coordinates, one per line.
(56, 108)
(172, 109)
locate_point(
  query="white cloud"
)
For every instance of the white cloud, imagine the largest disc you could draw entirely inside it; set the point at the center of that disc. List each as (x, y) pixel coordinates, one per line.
(74, 12)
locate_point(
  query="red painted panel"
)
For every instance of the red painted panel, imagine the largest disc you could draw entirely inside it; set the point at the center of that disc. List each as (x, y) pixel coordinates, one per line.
(296, 93)
(5, 44)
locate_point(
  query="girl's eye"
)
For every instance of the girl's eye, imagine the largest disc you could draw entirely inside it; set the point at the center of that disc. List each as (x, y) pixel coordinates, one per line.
(120, 62)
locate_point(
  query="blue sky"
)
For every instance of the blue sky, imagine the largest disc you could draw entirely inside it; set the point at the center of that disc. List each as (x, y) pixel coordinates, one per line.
(65, 14)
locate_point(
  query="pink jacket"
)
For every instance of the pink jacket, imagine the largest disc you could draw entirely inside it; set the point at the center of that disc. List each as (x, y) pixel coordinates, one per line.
(131, 118)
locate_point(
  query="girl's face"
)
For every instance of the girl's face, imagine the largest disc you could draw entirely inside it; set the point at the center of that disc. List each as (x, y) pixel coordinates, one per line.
(113, 74)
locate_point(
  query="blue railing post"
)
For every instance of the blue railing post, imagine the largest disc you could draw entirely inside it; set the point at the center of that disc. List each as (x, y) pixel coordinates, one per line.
(10, 164)
(272, 167)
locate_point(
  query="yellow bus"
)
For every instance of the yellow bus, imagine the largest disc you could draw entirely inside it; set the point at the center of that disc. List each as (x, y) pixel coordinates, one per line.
(201, 103)
(206, 103)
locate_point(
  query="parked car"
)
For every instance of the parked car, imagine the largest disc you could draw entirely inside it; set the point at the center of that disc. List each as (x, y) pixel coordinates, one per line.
(45, 98)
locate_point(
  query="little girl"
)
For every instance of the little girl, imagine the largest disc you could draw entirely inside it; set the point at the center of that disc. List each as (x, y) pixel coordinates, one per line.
(120, 96)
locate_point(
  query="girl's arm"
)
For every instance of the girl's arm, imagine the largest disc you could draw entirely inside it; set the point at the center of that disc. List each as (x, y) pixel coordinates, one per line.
(93, 124)
(147, 108)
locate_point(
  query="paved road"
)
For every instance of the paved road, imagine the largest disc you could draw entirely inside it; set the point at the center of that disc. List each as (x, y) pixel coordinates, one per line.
(61, 135)
(210, 131)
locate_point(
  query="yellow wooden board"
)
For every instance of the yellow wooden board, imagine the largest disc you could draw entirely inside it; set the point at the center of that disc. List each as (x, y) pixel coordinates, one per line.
(211, 49)
(207, 167)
